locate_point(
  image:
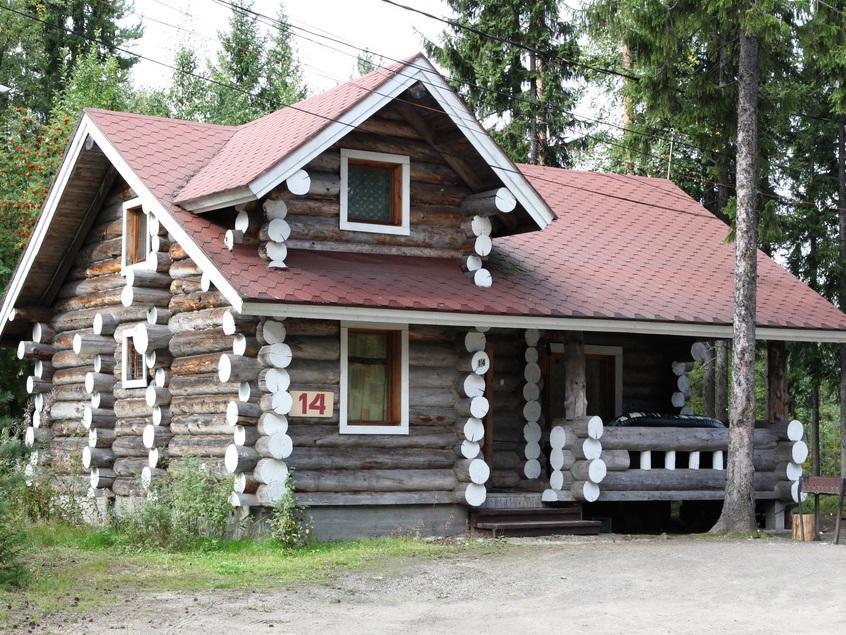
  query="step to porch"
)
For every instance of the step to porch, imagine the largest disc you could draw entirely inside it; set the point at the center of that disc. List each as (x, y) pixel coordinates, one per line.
(535, 521)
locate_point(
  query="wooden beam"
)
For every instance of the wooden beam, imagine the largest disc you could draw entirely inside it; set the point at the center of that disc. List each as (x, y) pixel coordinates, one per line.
(778, 400)
(575, 397)
(461, 167)
(31, 314)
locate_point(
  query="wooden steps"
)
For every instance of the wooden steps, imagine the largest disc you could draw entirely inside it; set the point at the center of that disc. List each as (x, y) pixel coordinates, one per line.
(536, 521)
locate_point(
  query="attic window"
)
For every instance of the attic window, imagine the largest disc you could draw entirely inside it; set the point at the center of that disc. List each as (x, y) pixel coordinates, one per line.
(375, 192)
(136, 238)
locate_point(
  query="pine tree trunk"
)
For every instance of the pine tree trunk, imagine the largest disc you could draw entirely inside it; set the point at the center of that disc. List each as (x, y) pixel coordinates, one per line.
(628, 105)
(721, 380)
(533, 126)
(724, 186)
(738, 515)
(816, 448)
(841, 217)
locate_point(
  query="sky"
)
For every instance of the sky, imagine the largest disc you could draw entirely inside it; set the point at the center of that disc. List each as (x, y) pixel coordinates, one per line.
(386, 30)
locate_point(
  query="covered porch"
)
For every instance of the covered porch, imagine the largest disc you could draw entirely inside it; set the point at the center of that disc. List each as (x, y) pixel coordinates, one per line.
(584, 418)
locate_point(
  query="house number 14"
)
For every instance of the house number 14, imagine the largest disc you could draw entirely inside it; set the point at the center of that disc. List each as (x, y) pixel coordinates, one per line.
(308, 403)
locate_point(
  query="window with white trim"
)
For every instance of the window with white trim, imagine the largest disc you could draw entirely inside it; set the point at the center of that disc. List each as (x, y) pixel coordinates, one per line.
(374, 380)
(375, 192)
(136, 237)
(133, 365)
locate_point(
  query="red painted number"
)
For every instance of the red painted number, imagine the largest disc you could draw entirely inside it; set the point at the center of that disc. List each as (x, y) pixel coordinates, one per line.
(317, 404)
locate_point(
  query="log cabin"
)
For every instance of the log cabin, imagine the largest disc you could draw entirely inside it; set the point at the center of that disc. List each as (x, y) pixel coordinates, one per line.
(363, 291)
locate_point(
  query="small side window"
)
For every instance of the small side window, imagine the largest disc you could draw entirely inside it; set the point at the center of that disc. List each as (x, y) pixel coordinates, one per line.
(375, 192)
(133, 366)
(136, 238)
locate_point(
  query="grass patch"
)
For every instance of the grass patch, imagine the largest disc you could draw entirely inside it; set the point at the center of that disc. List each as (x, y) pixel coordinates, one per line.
(76, 570)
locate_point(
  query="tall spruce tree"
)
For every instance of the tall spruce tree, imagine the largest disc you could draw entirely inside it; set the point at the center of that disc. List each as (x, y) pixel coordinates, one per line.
(187, 96)
(68, 30)
(512, 60)
(39, 40)
(251, 79)
(283, 78)
(234, 95)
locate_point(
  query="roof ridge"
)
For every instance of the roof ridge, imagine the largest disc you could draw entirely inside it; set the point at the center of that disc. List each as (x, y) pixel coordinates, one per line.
(159, 118)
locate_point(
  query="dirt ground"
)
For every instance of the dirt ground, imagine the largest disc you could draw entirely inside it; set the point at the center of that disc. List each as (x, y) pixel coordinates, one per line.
(610, 584)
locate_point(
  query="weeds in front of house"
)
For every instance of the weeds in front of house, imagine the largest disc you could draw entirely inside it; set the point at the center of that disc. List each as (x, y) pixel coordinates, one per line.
(290, 524)
(189, 508)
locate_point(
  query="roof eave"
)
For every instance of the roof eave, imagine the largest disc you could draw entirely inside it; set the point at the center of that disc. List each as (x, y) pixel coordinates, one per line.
(378, 315)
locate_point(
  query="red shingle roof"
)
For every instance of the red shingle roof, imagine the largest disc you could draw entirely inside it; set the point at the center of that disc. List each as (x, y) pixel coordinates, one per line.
(623, 247)
(256, 147)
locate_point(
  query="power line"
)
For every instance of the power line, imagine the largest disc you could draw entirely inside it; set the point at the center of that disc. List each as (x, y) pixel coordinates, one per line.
(334, 120)
(509, 41)
(271, 21)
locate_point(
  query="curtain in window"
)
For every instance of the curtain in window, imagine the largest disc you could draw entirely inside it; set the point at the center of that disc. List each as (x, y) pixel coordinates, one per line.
(369, 368)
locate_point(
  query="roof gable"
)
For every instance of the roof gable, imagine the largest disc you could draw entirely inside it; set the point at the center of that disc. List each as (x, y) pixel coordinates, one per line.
(262, 154)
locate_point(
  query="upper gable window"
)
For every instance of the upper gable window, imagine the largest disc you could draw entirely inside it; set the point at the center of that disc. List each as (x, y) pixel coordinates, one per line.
(375, 192)
(136, 238)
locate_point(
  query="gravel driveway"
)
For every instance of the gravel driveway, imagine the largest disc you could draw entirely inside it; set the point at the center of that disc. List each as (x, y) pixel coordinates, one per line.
(610, 584)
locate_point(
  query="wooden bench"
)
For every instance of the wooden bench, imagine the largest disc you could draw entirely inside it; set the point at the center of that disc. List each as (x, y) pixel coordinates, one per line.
(826, 485)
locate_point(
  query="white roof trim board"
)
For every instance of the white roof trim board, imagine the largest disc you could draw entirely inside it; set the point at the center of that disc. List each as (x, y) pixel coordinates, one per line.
(377, 315)
(419, 69)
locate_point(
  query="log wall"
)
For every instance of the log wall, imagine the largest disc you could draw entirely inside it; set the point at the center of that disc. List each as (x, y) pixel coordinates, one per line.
(330, 468)
(198, 399)
(67, 425)
(438, 226)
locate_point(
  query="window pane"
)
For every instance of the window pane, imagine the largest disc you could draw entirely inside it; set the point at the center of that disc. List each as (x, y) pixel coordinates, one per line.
(136, 238)
(369, 367)
(370, 193)
(134, 361)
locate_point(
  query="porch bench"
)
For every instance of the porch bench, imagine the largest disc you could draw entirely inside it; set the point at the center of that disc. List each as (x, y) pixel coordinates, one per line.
(823, 485)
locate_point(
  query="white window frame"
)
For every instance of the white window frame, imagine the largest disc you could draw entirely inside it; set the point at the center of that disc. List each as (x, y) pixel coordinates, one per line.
(124, 366)
(610, 351)
(404, 228)
(345, 426)
(133, 205)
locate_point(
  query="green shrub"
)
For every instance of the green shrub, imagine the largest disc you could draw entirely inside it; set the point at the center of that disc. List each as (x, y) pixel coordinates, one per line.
(189, 507)
(12, 459)
(290, 523)
(12, 571)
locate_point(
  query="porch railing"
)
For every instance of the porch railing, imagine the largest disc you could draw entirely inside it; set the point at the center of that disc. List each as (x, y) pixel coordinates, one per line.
(591, 462)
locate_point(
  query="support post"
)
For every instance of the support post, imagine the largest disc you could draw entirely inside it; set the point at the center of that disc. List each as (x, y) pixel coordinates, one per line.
(575, 393)
(778, 401)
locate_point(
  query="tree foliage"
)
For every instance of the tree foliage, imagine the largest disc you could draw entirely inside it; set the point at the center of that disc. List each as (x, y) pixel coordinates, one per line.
(511, 60)
(39, 41)
(253, 74)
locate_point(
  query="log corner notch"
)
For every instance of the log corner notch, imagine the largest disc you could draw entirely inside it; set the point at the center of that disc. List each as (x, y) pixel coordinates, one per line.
(482, 206)
(275, 230)
(261, 443)
(791, 448)
(532, 432)
(471, 469)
